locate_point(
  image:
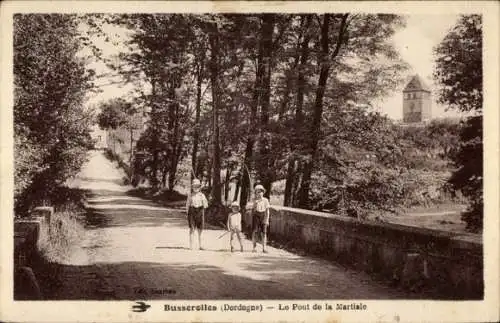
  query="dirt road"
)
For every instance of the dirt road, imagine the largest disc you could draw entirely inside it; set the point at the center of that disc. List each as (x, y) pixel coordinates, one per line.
(134, 249)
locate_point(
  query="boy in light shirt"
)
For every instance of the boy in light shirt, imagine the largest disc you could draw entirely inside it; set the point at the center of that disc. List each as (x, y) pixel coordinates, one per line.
(234, 224)
(195, 206)
(260, 217)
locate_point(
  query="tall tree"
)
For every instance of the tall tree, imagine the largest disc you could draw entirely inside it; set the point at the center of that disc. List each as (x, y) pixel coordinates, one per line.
(253, 122)
(297, 135)
(214, 40)
(200, 67)
(459, 73)
(160, 56)
(325, 60)
(266, 43)
(365, 66)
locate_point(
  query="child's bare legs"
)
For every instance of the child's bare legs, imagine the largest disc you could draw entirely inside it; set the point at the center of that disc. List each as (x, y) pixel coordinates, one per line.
(238, 234)
(264, 238)
(191, 233)
(231, 241)
(199, 239)
(254, 240)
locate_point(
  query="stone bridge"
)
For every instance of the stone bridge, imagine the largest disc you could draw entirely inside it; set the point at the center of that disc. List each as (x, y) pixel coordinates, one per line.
(131, 248)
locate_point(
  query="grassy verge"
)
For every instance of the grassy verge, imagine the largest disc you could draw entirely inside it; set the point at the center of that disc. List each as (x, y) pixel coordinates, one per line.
(66, 230)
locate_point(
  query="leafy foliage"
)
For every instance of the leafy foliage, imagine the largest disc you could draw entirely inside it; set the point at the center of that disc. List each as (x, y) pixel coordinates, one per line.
(261, 98)
(468, 178)
(159, 55)
(370, 163)
(115, 113)
(459, 65)
(28, 161)
(52, 128)
(459, 72)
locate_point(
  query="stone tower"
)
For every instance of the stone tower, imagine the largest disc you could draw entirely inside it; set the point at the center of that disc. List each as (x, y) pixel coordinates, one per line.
(416, 101)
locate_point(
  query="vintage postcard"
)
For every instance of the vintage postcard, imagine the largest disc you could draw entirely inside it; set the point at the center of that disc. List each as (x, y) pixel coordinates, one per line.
(249, 161)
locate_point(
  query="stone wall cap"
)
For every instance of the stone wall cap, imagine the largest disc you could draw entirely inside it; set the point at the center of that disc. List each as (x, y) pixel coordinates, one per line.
(461, 239)
(29, 220)
(44, 208)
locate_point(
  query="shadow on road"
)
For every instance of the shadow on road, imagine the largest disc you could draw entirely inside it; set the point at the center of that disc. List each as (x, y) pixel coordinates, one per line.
(272, 277)
(92, 193)
(130, 217)
(117, 181)
(107, 208)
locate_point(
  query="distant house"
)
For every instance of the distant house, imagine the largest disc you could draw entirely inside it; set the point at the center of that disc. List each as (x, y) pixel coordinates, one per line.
(417, 107)
(100, 138)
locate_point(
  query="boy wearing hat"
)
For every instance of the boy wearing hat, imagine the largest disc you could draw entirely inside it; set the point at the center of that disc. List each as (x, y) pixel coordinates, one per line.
(195, 207)
(260, 217)
(234, 224)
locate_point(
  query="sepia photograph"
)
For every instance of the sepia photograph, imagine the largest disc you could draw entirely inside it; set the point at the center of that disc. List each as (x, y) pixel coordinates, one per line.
(244, 162)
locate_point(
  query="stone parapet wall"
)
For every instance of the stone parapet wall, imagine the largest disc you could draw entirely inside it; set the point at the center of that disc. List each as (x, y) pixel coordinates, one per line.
(30, 236)
(415, 258)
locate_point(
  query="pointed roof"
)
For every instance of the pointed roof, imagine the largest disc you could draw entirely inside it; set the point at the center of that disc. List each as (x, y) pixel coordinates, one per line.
(416, 84)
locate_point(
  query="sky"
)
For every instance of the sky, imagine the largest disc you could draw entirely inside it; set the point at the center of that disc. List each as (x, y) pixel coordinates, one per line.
(415, 43)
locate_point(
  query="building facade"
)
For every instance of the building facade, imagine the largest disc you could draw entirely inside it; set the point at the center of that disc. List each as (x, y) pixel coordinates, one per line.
(417, 105)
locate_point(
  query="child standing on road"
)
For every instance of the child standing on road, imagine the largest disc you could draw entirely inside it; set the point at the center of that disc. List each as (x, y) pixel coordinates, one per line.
(234, 224)
(195, 207)
(260, 217)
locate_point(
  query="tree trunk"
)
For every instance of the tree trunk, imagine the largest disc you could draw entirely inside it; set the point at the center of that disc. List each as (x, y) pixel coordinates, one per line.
(325, 62)
(247, 161)
(214, 77)
(171, 178)
(131, 144)
(227, 181)
(245, 182)
(287, 201)
(154, 139)
(296, 184)
(237, 188)
(175, 162)
(209, 172)
(297, 137)
(164, 173)
(176, 149)
(197, 117)
(301, 78)
(267, 46)
(171, 125)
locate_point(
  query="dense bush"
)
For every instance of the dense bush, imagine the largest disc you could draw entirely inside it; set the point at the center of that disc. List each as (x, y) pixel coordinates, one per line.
(469, 174)
(380, 166)
(28, 162)
(52, 127)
